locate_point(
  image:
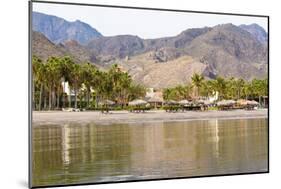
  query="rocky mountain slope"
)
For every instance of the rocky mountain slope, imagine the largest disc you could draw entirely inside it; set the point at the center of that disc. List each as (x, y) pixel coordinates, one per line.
(257, 31)
(144, 70)
(230, 51)
(59, 30)
(224, 50)
(44, 48)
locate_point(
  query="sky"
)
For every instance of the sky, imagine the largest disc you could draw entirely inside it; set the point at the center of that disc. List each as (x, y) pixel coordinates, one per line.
(146, 24)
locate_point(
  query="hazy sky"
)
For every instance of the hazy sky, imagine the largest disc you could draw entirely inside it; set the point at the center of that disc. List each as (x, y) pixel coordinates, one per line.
(143, 23)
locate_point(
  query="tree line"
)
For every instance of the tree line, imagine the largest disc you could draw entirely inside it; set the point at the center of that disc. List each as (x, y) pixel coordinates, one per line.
(88, 82)
(227, 88)
(84, 79)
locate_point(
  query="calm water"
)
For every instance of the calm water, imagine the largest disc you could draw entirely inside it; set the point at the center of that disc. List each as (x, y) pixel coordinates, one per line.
(73, 153)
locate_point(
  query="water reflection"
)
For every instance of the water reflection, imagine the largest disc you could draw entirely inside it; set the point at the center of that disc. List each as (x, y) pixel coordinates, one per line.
(79, 153)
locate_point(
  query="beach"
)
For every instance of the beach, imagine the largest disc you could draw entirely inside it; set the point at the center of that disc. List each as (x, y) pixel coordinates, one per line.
(58, 117)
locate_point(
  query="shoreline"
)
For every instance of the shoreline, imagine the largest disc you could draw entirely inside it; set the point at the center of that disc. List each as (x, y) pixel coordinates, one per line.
(115, 117)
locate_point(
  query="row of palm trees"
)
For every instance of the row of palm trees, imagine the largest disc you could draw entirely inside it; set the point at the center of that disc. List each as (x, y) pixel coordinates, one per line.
(227, 88)
(85, 80)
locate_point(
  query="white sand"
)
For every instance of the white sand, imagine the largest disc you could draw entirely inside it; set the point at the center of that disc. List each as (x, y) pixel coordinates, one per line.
(56, 117)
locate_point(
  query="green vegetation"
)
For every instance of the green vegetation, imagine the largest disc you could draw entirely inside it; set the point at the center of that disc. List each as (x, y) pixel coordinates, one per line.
(227, 88)
(85, 80)
(178, 93)
(197, 82)
(91, 86)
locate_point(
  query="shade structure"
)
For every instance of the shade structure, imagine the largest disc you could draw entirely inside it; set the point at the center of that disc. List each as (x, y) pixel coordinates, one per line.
(226, 102)
(247, 102)
(199, 101)
(155, 99)
(184, 102)
(137, 102)
(252, 102)
(171, 102)
(242, 102)
(207, 102)
(106, 102)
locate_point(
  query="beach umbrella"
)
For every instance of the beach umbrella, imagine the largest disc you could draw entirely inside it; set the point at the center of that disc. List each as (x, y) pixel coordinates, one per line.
(137, 102)
(106, 102)
(171, 102)
(225, 102)
(184, 102)
(247, 102)
(199, 101)
(252, 102)
(242, 102)
(156, 99)
(206, 102)
(231, 101)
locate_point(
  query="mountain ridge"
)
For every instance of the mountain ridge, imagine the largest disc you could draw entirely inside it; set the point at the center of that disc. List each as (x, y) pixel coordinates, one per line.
(256, 31)
(224, 50)
(59, 30)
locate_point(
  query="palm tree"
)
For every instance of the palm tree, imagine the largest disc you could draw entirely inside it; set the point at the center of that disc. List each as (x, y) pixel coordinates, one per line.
(36, 64)
(230, 91)
(197, 81)
(207, 88)
(247, 90)
(220, 86)
(124, 84)
(166, 93)
(259, 88)
(41, 80)
(97, 84)
(75, 80)
(88, 74)
(240, 83)
(66, 64)
(178, 92)
(188, 91)
(265, 87)
(115, 76)
(135, 91)
(53, 78)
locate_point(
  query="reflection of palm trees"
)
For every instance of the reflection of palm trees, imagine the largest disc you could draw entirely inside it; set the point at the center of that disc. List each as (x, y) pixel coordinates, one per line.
(215, 125)
(65, 144)
(147, 146)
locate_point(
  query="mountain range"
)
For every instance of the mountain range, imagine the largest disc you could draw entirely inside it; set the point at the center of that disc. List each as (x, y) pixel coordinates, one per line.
(257, 31)
(58, 30)
(224, 50)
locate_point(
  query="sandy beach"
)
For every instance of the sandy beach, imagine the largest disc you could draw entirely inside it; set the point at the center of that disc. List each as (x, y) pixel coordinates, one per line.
(59, 117)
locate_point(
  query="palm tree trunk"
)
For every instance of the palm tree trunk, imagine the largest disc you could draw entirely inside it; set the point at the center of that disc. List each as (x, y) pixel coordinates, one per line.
(45, 99)
(69, 98)
(58, 99)
(75, 93)
(96, 100)
(40, 97)
(81, 101)
(53, 99)
(88, 98)
(239, 93)
(63, 102)
(50, 99)
(33, 95)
